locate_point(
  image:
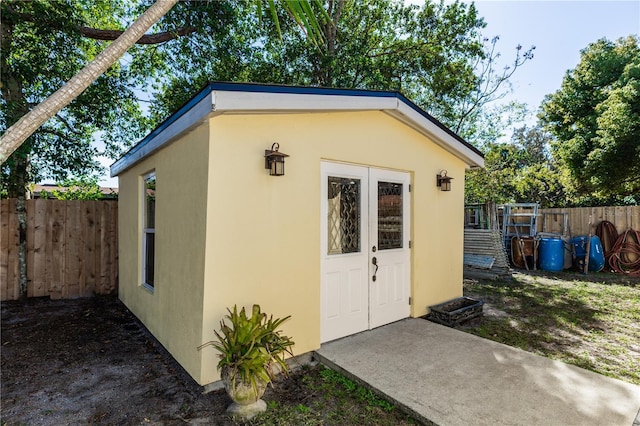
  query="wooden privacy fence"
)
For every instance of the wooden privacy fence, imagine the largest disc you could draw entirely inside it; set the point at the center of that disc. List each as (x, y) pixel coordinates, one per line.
(72, 248)
(623, 217)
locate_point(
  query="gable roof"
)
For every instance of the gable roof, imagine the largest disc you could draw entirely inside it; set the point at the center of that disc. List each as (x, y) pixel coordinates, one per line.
(219, 98)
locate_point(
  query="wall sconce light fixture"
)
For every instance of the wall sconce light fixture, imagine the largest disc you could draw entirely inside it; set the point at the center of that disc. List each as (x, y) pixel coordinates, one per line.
(274, 160)
(443, 181)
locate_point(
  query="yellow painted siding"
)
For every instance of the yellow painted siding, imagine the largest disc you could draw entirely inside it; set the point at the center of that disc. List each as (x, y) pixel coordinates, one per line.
(173, 312)
(263, 232)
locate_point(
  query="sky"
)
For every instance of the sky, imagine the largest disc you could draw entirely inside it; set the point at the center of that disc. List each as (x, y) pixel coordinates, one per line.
(558, 29)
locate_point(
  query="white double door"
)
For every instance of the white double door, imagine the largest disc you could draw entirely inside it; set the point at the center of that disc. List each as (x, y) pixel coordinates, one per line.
(365, 265)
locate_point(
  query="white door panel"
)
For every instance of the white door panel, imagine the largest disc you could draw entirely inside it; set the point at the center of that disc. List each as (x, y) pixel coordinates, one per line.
(364, 215)
(389, 208)
(344, 284)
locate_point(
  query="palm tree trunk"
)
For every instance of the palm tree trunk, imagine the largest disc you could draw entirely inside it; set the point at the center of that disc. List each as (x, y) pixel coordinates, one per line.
(29, 123)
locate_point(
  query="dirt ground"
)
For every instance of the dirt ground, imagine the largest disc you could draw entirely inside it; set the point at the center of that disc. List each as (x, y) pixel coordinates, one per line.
(90, 361)
(594, 277)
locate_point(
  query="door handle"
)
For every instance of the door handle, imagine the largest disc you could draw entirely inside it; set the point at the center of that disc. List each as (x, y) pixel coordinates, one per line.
(374, 261)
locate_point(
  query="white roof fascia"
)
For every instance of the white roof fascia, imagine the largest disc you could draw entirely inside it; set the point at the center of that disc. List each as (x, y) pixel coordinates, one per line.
(248, 102)
(165, 136)
(230, 101)
(245, 102)
(441, 137)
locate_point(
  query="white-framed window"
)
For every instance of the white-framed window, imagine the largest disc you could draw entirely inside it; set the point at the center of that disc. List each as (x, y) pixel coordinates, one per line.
(148, 229)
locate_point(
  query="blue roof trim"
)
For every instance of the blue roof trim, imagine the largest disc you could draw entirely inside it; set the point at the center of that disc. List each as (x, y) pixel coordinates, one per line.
(167, 122)
(275, 88)
(297, 90)
(435, 121)
(301, 90)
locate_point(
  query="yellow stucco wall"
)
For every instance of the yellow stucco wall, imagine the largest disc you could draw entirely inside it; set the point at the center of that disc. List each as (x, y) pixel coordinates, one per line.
(263, 232)
(228, 233)
(173, 312)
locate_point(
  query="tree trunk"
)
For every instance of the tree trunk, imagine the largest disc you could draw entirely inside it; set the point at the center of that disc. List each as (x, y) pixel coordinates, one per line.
(29, 123)
(15, 136)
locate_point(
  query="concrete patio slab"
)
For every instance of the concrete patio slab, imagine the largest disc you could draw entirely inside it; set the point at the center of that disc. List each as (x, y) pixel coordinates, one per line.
(447, 377)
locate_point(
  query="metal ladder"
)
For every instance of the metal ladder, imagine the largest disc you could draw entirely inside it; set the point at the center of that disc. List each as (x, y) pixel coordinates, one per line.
(519, 220)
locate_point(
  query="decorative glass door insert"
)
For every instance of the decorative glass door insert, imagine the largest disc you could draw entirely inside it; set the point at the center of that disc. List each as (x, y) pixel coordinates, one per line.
(343, 219)
(390, 215)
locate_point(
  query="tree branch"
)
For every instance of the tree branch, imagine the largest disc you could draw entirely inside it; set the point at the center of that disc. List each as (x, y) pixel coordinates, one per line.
(67, 125)
(29, 123)
(99, 34)
(57, 133)
(110, 35)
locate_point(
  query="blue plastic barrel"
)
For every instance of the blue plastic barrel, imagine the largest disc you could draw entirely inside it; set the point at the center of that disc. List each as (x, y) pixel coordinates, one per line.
(551, 254)
(580, 247)
(596, 253)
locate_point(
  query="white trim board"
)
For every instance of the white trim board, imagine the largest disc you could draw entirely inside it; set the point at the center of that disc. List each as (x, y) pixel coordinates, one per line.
(211, 102)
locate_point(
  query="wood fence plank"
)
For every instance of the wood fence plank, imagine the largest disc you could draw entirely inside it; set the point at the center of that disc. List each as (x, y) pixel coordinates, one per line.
(113, 288)
(584, 221)
(89, 264)
(31, 211)
(623, 217)
(48, 249)
(109, 248)
(72, 248)
(56, 249)
(99, 245)
(597, 216)
(68, 248)
(74, 243)
(103, 281)
(39, 225)
(81, 240)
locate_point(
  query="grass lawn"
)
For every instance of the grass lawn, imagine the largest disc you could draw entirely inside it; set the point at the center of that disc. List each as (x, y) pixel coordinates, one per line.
(319, 396)
(592, 321)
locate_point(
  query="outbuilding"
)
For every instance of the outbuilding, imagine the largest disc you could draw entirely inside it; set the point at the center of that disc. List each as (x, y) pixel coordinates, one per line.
(342, 208)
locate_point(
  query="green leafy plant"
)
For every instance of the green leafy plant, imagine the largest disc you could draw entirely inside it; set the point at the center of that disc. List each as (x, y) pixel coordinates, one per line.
(82, 188)
(252, 347)
(356, 391)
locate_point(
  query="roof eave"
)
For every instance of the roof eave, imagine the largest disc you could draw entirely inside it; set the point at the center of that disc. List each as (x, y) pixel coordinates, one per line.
(185, 119)
(218, 98)
(435, 131)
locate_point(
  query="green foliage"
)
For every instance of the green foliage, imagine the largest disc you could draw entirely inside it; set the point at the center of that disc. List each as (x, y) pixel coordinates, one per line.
(42, 47)
(314, 395)
(45, 43)
(521, 171)
(434, 54)
(354, 389)
(251, 346)
(83, 188)
(595, 117)
(303, 408)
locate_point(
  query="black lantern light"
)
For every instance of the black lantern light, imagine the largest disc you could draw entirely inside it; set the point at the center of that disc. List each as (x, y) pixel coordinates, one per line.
(443, 181)
(274, 160)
